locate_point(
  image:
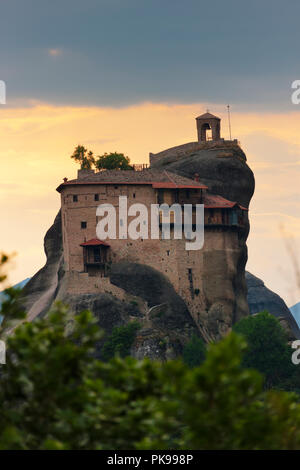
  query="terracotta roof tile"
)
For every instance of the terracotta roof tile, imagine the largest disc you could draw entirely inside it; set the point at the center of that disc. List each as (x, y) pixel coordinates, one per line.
(214, 201)
(94, 242)
(156, 178)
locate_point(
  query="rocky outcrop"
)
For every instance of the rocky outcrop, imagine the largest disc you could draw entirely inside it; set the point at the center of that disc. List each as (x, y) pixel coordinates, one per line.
(42, 288)
(295, 311)
(222, 168)
(155, 289)
(165, 320)
(261, 298)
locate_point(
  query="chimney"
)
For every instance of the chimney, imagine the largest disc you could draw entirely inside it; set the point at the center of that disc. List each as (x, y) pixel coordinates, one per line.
(196, 177)
(84, 174)
(65, 180)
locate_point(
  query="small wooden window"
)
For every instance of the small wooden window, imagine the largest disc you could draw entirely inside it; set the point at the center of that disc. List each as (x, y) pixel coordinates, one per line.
(83, 224)
(75, 198)
(160, 196)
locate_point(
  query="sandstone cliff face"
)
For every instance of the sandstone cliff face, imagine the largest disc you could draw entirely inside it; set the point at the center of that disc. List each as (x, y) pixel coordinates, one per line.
(165, 322)
(41, 290)
(222, 168)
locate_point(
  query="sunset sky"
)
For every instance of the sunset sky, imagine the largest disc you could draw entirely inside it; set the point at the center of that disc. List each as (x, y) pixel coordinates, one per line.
(131, 76)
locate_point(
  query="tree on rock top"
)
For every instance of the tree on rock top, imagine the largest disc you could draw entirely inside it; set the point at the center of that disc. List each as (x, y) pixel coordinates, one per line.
(83, 156)
(113, 161)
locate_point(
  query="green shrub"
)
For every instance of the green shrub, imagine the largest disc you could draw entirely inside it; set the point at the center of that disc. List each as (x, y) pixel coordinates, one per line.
(120, 341)
(54, 394)
(268, 350)
(194, 352)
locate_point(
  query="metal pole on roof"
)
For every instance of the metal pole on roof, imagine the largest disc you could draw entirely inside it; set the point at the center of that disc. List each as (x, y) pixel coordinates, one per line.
(229, 124)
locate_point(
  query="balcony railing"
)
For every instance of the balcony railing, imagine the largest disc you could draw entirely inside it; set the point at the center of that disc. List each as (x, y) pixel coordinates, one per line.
(140, 166)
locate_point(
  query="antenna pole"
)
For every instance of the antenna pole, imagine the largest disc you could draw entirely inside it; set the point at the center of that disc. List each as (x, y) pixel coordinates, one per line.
(229, 124)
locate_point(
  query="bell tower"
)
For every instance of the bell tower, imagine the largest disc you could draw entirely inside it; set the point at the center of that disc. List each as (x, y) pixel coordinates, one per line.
(207, 124)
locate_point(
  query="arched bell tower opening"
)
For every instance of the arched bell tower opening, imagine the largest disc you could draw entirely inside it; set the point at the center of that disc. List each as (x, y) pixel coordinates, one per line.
(206, 132)
(208, 127)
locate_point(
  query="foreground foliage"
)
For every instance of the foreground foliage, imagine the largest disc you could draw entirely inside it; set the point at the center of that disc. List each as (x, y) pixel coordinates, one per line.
(54, 394)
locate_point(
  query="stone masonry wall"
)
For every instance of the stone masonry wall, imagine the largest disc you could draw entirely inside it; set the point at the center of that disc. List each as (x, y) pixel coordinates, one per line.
(187, 270)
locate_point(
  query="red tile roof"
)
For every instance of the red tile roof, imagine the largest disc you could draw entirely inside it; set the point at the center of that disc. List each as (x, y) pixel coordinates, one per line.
(171, 185)
(214, 201)
(94, 242)
(155, 178)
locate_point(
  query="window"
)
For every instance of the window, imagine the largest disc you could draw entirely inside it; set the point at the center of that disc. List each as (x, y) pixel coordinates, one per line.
(133, 195)
(233, 217)
(223, 216)
(160, 196)
(96, 197)
(75, 198)
(190, 277)
(83, 224)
